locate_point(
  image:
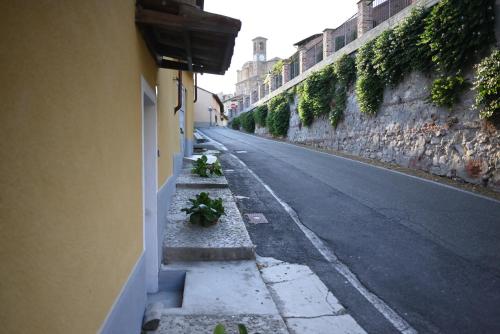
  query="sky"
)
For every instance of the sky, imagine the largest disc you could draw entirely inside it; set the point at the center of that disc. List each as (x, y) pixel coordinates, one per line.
(282, 22)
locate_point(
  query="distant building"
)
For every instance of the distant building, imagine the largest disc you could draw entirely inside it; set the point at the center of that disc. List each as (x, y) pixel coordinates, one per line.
(233, 105)
(250, 79)
(208, 109)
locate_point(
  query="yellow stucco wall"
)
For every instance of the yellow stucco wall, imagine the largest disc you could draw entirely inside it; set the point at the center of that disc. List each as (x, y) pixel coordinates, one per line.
(70, 172)
(168, 123)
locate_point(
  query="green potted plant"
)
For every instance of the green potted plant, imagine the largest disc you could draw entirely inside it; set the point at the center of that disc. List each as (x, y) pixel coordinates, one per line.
(204, 211)
(204, 169)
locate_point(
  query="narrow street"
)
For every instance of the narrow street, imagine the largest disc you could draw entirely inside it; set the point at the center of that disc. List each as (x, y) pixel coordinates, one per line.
(429, 251)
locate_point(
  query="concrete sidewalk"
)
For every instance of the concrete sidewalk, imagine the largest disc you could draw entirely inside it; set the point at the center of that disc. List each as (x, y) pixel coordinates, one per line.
(304, 301)
(268, 296)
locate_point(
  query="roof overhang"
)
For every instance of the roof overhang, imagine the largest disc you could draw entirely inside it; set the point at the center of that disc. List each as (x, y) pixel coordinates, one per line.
(181, 36)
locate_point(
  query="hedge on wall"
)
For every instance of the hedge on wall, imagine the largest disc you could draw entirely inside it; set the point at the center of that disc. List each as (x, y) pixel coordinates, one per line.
(248, 122)
(260, 115)
(278, 116)
(487, 86)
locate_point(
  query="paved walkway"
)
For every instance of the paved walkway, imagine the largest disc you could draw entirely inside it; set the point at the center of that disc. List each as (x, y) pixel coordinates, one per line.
(268, 296)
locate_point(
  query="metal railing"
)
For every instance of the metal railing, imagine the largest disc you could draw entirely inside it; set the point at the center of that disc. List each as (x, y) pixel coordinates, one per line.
(384, 9)
(345, 33)
(314, 55)
(294, 66)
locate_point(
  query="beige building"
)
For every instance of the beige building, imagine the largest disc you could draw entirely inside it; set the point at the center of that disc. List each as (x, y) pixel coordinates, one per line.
(208, 109)
(250, 79)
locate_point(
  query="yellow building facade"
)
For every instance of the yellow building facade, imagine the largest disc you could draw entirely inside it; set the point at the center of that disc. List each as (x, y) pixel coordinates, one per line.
(78, 84)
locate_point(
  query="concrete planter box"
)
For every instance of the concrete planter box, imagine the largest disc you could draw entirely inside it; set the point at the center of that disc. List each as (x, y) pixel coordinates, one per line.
(226, 240)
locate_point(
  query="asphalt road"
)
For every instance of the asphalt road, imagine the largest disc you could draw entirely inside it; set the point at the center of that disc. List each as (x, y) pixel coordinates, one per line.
(431, 252)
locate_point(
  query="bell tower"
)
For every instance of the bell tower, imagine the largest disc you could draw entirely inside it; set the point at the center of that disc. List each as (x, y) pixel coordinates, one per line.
(259, 48)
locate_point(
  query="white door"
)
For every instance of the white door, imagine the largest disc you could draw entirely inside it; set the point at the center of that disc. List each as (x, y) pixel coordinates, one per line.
(150, 223)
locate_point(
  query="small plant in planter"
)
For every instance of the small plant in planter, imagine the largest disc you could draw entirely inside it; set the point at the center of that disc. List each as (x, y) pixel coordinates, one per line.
(220, 329)
(204, 169)
(204, 210)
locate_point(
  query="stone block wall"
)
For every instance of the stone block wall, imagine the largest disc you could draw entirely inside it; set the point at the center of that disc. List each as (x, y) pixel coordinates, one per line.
(411, 132)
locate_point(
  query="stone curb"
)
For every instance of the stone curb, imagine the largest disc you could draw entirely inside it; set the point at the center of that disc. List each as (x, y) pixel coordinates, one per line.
(226, 240)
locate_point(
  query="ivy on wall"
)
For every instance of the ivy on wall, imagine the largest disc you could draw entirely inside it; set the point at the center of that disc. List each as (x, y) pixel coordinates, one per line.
(487, 86)
(443, 41)
(446, 91)
(398, 51)
(325, 91)
(446, 39)
(248, 122)
(457, 33)
(345, 72)
(315, 95)
(260, 115)
(236, 123)
(277, 68)
(369, 85)
(278, 117)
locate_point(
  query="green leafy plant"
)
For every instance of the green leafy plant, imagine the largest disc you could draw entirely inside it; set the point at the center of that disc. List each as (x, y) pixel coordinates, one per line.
(220, 329)
(411, 54)
(345, 72)
(369, 86)
(277, 68)
(487, 87)
(398, 51)
(278, 117)
(260, 115)
(315, 95)
(236, 123)
(385, 53)
(446, 91)
(304, 107)
(204, 169)
(248, 122)
(339, 105)
(458, 31)
(204, 210)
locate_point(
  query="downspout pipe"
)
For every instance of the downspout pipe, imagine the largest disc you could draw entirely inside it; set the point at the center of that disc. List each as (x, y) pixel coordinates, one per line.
(179, 92)
(195, 87)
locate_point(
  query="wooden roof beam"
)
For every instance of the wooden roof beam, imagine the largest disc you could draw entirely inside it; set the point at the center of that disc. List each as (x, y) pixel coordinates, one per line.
(202, 23)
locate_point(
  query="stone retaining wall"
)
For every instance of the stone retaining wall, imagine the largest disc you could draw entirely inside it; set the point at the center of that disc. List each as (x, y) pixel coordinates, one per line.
(411, 132)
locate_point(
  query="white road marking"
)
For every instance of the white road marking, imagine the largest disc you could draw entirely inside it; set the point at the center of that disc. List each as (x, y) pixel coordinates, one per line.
(241, 197)
(394, 318)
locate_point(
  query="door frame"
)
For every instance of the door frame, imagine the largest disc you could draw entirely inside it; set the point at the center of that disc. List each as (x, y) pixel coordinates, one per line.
(149, 126)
